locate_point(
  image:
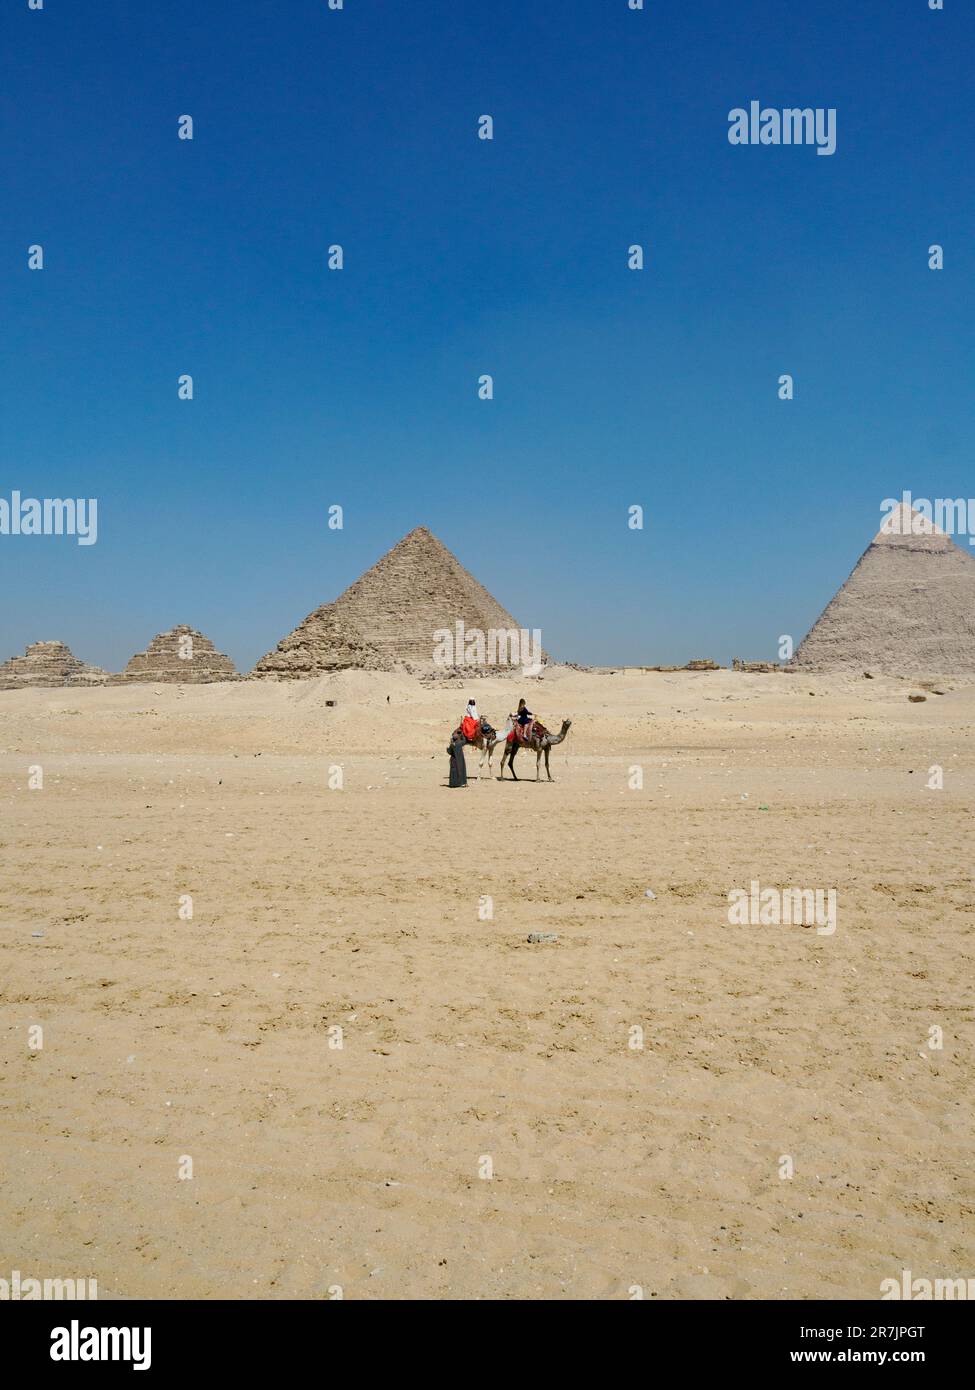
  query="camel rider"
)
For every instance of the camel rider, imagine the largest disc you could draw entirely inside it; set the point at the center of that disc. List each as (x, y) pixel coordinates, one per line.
(524, 719)
(471, 723)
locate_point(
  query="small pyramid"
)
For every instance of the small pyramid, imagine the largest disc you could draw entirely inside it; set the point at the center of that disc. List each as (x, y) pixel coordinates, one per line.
(48, 664)
(389, 617)
(181, 656)
(908, 606)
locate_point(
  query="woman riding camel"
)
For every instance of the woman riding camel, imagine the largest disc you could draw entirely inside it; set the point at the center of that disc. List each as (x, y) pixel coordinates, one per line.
(471, 723)
(524, 719)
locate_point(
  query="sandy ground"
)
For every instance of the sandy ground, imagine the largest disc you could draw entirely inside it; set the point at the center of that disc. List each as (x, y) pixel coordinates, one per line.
(463, 1046)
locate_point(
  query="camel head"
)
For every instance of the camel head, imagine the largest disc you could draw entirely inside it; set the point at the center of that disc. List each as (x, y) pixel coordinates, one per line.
(552, 739)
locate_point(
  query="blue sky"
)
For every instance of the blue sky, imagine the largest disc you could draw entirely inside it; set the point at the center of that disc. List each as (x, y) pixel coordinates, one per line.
(462, 257)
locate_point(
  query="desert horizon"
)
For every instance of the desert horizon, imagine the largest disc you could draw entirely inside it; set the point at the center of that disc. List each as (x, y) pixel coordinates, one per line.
(908, 606)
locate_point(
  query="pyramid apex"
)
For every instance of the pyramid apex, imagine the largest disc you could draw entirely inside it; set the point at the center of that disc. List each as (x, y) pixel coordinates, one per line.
(905, 520)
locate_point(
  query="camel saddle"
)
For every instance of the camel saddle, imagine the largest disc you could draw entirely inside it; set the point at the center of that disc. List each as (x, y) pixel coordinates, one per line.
(523, 733)
(469, 729)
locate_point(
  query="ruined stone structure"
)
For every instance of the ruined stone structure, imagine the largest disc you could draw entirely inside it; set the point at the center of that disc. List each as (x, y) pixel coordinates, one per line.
(48, 664)
(908, 606)
(740, 664)
(182, 656)
(389, 618)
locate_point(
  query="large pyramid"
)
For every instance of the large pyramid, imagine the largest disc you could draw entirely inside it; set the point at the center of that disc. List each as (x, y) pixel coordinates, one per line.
(908, 607)
(48, 664)
(390, 616)
(181, 656)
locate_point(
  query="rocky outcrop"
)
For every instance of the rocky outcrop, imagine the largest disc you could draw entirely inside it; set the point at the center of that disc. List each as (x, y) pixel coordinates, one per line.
(181, 656)
(739, 664)
(48, 664)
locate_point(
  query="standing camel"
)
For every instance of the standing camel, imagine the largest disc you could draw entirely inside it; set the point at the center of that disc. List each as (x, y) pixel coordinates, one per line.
(540, 741)
(486, 739)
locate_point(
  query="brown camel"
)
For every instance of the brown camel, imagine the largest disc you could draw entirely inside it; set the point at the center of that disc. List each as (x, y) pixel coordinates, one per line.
(540, 742)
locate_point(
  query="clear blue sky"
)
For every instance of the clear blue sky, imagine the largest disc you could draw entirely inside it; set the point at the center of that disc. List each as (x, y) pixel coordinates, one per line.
(358, 387)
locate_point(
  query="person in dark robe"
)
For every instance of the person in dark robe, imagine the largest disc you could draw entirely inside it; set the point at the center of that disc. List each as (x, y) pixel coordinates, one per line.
(458, 763)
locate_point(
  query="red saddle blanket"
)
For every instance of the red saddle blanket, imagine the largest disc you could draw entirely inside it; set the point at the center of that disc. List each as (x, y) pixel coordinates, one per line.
(470, 727)
(522, 733)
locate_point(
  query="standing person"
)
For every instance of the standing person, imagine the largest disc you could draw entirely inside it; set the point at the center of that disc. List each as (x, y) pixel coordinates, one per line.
(458, 763)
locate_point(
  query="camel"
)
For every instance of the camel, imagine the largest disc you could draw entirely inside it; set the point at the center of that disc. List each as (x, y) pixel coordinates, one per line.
(486, 739)
(540, 742)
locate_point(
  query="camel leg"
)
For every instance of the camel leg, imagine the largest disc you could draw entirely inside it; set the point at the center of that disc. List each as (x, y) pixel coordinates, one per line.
(511, 761)
(538, 765)
(550, 777)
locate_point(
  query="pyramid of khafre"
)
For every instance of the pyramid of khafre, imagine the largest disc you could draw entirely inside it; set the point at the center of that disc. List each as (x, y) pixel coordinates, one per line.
(390, 617)
(908, 607)
(182, 656)
(47, 664)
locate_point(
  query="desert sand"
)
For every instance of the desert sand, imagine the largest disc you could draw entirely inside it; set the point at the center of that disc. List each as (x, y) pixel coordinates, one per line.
(319, 1168)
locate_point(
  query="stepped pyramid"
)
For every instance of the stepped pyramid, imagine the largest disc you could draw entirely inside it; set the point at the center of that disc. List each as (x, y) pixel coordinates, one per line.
(48, 664)
(908, 607)
(388, 618)
(181, 656)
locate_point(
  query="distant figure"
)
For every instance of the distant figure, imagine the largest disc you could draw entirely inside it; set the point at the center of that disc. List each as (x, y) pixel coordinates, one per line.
(458, 763)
